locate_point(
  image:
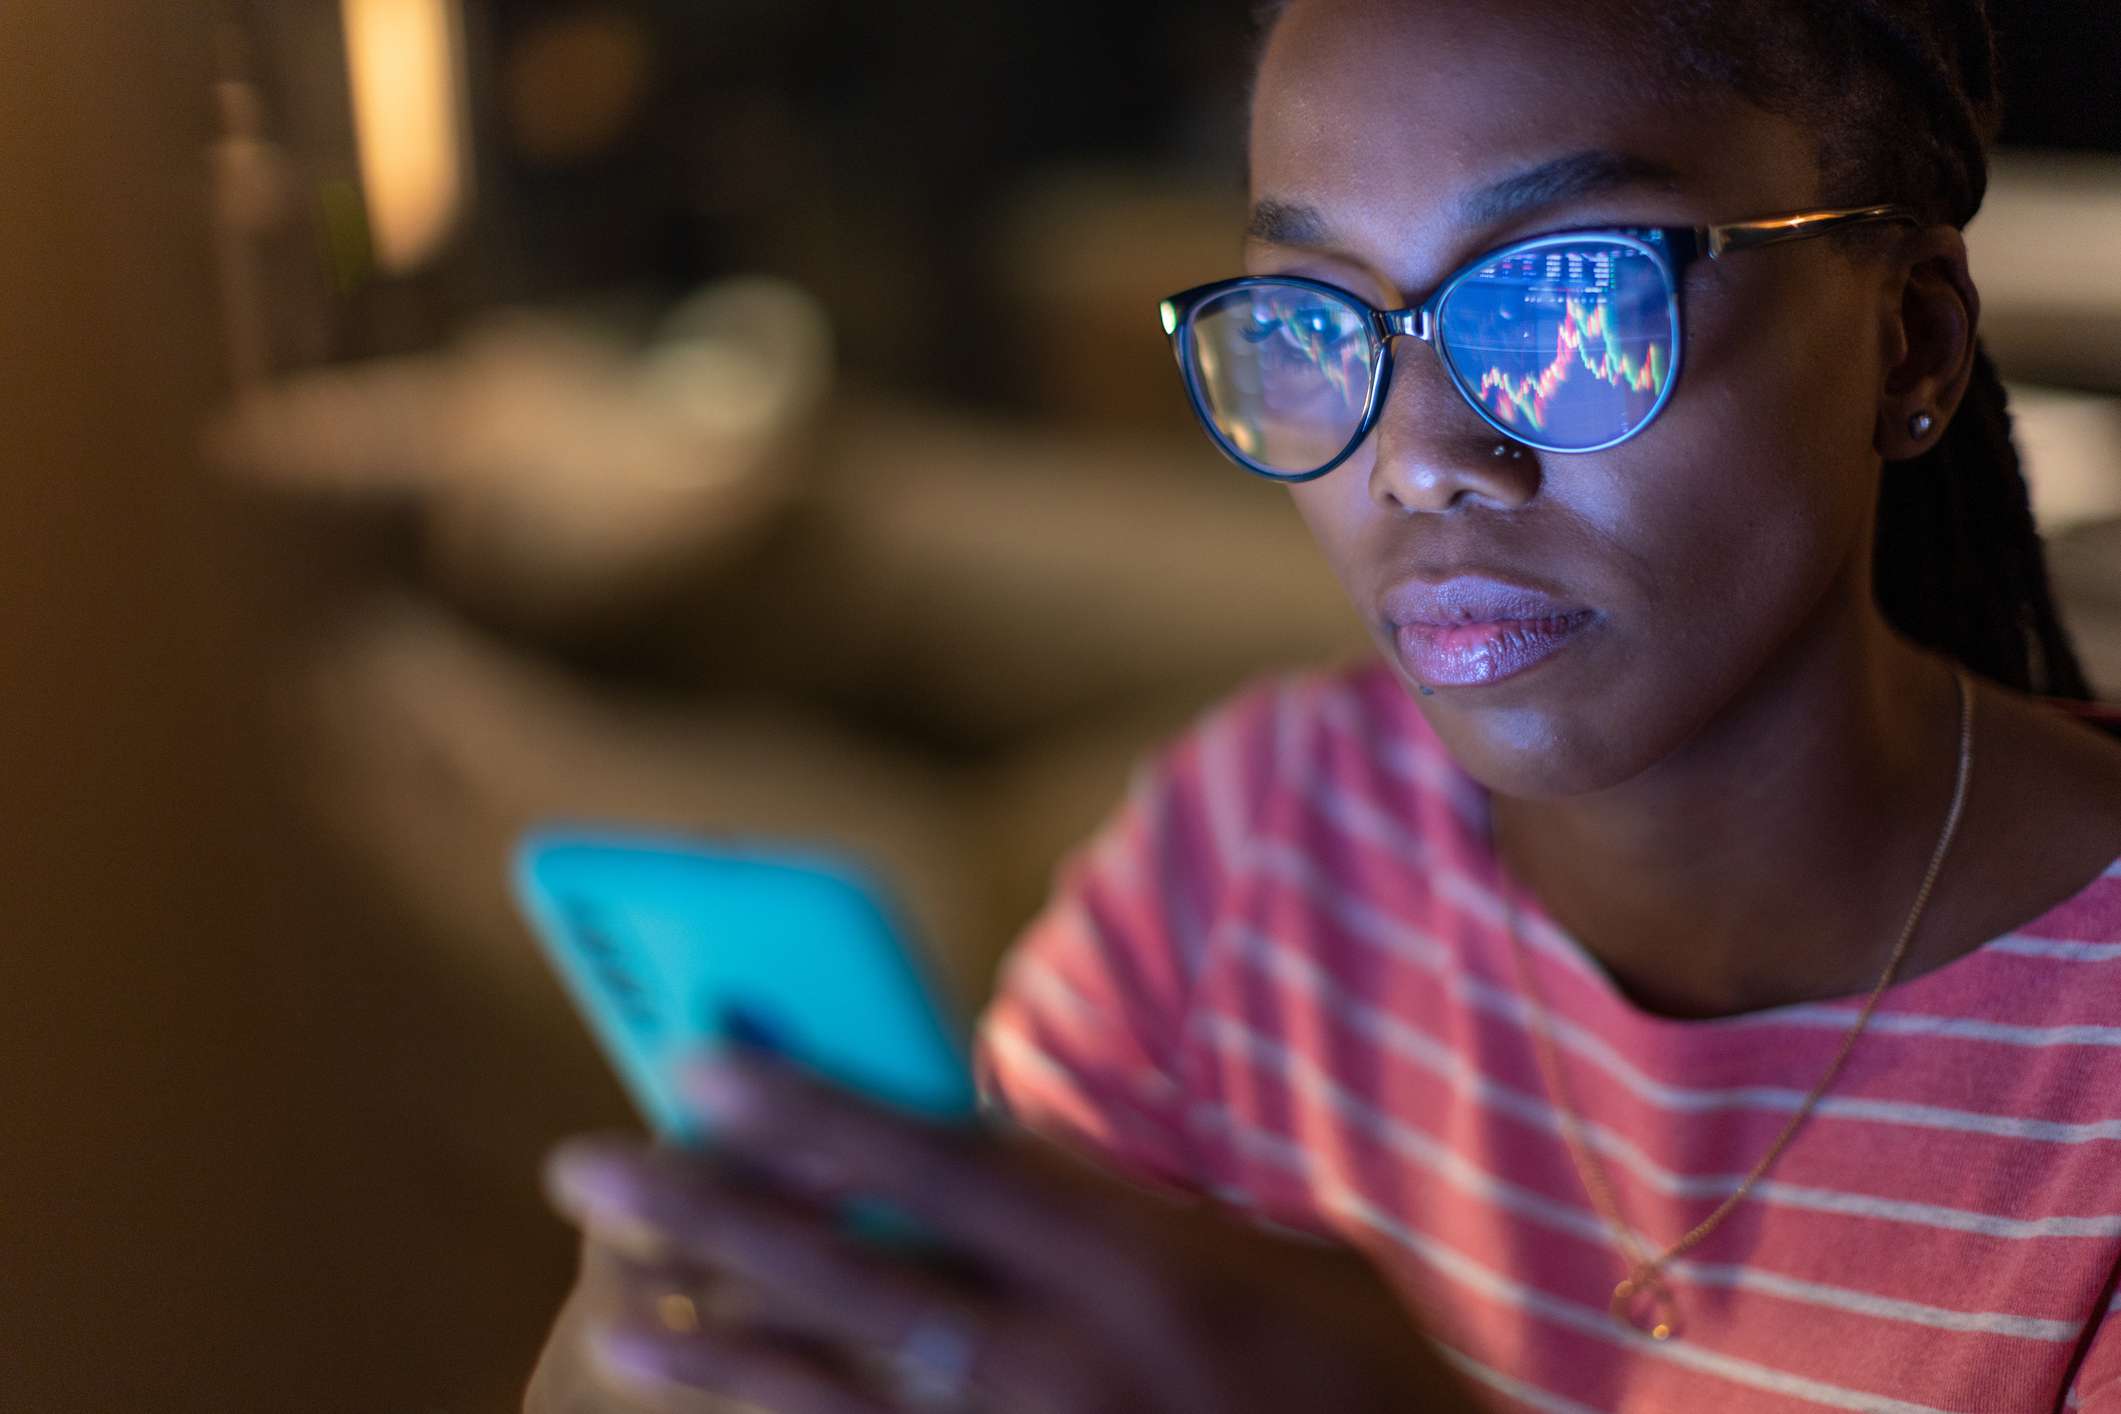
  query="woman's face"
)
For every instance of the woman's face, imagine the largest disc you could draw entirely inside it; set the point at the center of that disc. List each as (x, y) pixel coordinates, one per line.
(1393, 142)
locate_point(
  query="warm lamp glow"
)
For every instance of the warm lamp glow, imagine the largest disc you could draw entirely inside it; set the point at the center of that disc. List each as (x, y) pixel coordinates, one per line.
(404, 62)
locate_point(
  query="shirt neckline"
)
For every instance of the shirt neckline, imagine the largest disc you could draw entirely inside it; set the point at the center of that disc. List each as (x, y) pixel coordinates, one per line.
(1905, 994)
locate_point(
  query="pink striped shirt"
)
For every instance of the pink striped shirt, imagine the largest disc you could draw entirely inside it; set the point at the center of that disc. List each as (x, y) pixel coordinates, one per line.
(1279, 976)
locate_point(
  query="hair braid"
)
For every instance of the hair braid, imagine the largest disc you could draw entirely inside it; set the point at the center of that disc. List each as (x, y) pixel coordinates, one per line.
(1960, 566)
(1959, 563)
(1939, 61)
(1905, 96)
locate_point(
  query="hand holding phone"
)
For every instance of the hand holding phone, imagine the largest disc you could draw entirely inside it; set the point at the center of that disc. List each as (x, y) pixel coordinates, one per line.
(671, 948)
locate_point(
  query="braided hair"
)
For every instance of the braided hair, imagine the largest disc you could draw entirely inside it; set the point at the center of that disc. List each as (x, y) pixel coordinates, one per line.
(1905, 99)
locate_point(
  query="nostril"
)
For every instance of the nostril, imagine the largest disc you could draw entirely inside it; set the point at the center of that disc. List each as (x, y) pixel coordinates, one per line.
(1441, 473)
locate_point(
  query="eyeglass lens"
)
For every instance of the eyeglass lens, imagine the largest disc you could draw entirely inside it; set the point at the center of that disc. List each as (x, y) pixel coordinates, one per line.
(1566, 344)
(1283, 373)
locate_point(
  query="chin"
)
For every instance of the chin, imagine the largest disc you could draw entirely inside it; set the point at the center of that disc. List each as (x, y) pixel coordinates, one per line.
(1531, 745)
(1526, 770)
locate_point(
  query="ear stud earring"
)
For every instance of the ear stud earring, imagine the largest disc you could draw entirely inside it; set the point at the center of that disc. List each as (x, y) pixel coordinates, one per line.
(1515, 453)
(1921, 423)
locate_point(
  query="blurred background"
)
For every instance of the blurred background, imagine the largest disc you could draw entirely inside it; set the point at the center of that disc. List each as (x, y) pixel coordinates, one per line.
(427, 417)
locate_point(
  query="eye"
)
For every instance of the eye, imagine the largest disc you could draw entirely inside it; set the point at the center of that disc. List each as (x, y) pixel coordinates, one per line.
(1314, 328)
(1321, 325)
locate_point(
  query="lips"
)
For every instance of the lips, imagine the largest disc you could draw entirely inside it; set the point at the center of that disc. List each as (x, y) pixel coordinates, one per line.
(1472, 630)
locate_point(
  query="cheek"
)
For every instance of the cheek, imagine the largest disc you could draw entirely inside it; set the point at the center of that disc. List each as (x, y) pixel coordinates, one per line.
(1769, 486)
(1336, 508)
(1788, 366)
(1714, 539)
(1710, 541)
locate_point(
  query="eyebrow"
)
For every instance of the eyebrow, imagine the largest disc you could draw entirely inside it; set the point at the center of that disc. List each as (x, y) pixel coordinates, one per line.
(1567, 178)
(1577, 175)
(1288, 223)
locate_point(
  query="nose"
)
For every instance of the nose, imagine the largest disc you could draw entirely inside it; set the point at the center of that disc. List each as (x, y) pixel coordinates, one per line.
(1434, 453)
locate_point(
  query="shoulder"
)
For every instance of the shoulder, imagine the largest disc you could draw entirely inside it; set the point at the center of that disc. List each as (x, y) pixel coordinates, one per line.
(1356, 709)
(2047, 794)
(1303, 758)
(1089, 1004)
(1348, 730)
(2063, 760)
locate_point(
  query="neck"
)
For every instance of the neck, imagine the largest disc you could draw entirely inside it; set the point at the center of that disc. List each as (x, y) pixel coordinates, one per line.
(1775, 857)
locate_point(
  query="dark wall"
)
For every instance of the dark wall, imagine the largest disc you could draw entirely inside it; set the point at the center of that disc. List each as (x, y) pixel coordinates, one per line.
(863, 148)
(129, 1039)
(218, 1190)
(2060, 59)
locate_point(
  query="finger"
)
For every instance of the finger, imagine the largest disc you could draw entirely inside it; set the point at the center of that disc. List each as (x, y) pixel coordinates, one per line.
(760, 1369)
(684, 1296)
(680, 1296)
(1034, 1356)
(623, 1258)
(828, 1142)
(873, 1307)
(681, 1300)
(1090, 1252)
(568, 1378)
(1022, 1360)
(668, 1208)
(1022, 1365)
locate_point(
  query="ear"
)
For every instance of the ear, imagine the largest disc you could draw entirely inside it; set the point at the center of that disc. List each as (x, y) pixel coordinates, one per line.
(1929, 341)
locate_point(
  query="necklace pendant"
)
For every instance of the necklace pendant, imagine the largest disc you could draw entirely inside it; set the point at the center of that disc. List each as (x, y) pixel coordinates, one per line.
(1645, 1302)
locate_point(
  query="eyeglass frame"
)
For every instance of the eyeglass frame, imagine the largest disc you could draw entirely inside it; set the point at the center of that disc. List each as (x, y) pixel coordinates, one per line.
(1672, 248)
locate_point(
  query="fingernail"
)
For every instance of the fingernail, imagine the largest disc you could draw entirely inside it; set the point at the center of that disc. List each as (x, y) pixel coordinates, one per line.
(579, 1176)
(723, 1092)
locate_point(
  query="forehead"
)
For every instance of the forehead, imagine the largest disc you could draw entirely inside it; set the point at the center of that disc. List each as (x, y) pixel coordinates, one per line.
(1397, 122)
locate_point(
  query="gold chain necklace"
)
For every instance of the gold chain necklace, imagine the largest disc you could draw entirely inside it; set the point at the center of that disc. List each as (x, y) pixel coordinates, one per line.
(1642, 1299)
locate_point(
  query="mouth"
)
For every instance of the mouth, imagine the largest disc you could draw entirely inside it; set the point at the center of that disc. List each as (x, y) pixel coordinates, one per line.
(1471, 631)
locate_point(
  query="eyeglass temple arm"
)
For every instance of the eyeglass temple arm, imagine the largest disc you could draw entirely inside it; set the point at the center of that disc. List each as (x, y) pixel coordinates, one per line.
(1746, 235)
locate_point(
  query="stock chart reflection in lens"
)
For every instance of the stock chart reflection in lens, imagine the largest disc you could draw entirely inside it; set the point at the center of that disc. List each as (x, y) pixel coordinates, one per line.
(1567, 343)
(1284, 372)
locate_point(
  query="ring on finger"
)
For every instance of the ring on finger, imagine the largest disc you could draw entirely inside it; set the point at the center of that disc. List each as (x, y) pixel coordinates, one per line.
(715, 1300)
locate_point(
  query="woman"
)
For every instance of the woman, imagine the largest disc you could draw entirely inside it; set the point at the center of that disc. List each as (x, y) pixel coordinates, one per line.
(1669, 981)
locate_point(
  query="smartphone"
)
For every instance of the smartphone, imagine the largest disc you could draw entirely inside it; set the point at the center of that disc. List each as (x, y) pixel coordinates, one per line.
(673, 947)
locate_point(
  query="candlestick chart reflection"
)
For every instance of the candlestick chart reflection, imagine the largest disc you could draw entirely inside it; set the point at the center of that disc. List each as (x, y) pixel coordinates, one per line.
(1568, 344)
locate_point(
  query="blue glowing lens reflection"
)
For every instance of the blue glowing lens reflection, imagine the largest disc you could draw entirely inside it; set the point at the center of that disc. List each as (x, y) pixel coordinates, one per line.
(1567, 343)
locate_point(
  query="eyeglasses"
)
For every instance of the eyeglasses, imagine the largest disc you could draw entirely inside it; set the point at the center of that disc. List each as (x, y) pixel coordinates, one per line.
(1567, 342)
